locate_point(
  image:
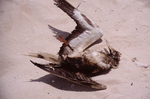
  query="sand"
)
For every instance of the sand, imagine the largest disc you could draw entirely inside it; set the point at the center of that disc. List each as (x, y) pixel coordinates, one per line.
(24, 29)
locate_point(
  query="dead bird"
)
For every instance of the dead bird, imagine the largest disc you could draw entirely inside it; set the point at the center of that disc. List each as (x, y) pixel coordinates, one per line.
(74, 62)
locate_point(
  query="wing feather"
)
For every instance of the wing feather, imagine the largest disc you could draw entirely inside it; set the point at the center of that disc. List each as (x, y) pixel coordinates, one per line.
(85, 32)
(77, 78)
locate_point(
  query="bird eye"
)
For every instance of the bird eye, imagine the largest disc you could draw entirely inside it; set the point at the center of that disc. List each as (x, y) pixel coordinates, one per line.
(115, 53)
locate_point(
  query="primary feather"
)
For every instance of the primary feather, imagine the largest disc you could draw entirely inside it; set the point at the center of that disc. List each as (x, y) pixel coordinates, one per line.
(85, 33)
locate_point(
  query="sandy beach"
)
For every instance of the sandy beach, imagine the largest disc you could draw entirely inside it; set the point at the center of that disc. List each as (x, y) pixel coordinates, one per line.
(28, 26)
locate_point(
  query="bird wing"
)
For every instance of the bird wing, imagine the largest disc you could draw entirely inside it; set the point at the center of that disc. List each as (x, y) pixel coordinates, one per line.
(77, 78)
(85, 33)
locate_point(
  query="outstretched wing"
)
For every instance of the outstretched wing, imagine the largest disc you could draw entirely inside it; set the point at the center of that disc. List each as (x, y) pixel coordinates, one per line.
(77, 78)
(85, 33)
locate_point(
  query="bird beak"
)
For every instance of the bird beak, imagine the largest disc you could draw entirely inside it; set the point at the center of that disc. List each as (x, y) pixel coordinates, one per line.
(109, 47)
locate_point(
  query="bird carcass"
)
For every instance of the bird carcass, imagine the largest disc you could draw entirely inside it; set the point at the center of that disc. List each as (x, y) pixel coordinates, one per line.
(73, 62)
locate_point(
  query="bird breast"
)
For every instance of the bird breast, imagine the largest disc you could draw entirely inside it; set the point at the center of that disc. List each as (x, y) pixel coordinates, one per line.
(98, 58)
(93, 58)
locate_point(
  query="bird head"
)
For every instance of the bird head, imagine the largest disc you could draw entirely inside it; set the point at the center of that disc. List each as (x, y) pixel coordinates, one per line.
(113, 54)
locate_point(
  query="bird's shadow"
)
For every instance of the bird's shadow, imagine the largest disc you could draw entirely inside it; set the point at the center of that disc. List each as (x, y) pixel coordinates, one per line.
(62, 84)
(58, 32)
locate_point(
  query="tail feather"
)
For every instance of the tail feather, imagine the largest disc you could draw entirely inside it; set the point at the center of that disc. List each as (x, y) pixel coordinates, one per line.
(49, 57)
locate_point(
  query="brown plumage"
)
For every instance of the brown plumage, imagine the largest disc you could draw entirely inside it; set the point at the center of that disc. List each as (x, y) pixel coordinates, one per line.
(73, 62)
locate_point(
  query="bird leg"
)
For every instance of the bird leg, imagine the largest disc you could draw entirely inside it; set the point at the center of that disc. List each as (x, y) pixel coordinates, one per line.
(65, 42)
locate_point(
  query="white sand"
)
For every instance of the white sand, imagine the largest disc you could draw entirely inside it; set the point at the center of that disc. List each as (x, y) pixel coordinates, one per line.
(24, 29)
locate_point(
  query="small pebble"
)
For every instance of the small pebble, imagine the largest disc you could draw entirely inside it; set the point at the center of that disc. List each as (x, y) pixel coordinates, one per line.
(139, 63)
(53, 81)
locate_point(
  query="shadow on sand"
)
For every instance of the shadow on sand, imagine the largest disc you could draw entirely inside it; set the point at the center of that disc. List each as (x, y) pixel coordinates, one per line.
(62, 84)
(58, 32)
